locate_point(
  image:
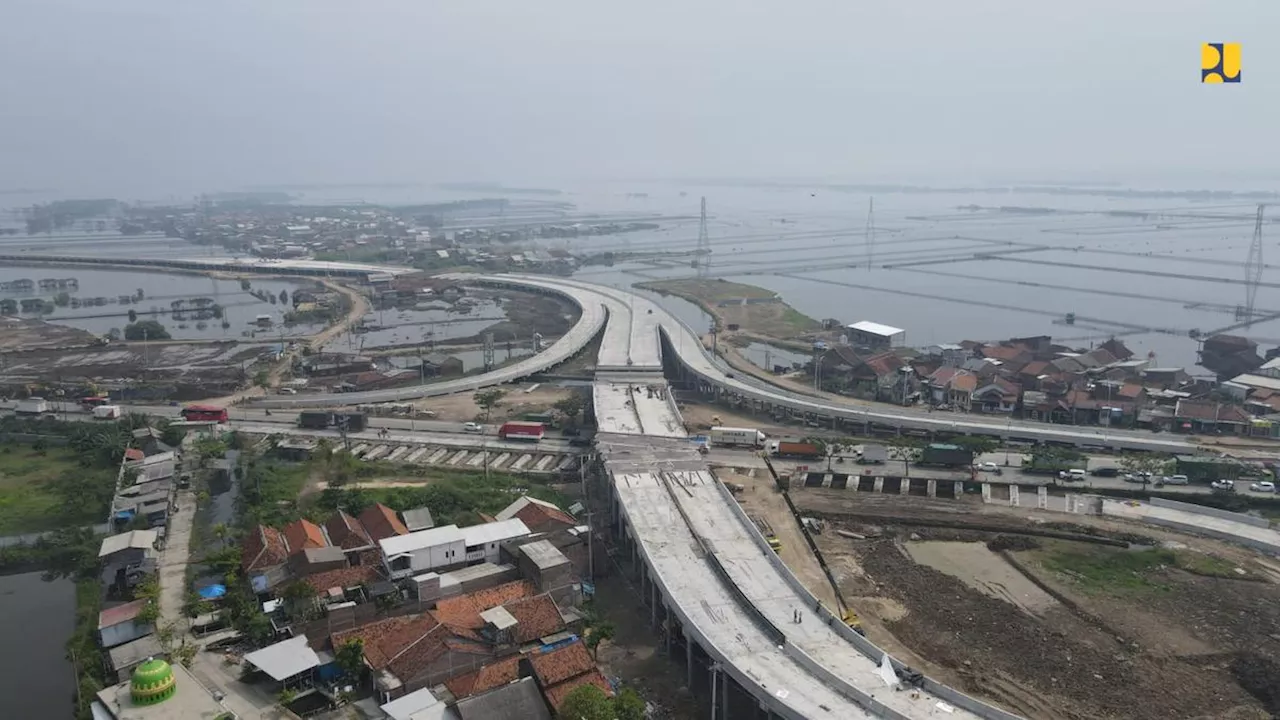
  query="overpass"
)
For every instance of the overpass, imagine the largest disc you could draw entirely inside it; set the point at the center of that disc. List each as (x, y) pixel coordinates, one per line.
(633, 348)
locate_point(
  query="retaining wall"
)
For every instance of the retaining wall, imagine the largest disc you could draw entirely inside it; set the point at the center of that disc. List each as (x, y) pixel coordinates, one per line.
(1215, 512)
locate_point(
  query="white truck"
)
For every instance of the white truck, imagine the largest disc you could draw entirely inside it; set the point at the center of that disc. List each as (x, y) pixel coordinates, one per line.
(32, 406)
(737, 437)
(107, 412)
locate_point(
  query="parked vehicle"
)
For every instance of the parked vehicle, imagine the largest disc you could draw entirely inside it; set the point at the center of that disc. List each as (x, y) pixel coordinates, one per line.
(784, 448)
(352, 421)
(1073, 475)
(107, 412)
(89, 403)
(1263, 486)
(1228, 485)
(987, 467)
(32, 406)
(1105, 472)
(472, 427)
(1176, 480)
(522, 430)
(874, 454)
(737, 437)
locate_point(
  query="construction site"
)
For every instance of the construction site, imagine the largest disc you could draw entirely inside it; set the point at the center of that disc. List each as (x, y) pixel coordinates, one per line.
(1046, 615)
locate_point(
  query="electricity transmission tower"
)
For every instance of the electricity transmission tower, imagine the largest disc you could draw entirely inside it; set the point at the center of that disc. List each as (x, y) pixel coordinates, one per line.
(1253, 268)
(871, 231)
(704, 244)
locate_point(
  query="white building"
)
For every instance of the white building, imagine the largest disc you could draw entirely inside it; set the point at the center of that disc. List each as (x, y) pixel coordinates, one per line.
(483, 540)
(447, 547)
(874, 335)
(420, 552)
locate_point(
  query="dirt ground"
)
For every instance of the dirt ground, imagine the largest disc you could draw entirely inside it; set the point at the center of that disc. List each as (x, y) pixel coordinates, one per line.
(761, 499)
(19, 334)
(1006, 623)
(635, 654)
(462, 408)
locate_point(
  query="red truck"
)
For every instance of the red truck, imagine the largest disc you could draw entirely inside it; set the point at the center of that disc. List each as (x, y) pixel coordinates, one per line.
(521, 430)
(783, 448)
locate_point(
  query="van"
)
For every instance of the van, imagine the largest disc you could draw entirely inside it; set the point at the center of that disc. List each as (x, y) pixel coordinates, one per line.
(1177, 480)
(1075, 475)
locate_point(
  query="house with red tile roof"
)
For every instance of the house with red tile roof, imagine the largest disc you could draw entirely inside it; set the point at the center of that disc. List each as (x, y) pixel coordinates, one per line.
(490, 676)
(412, 652)
(998, 396)
(304, 535)
(381, 522)
(263, 554)
(347, 533)
(563, 670)
(539, 516)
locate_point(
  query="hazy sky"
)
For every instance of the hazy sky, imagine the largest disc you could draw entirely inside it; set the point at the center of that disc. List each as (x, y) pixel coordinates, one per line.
(133, 97)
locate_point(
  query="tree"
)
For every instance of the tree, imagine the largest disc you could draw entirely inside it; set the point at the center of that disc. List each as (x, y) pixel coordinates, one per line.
(350, 657)
(133, 315)
(284, 297)
(571, 406)
(586, 702)
(299, 599)
(487, 400)
(906, 449)
(261, 378)
(1145, 465)
(145, 330)
(602, 631)
(114, 335)
(977, 444)
(62, 299)
(245, 285)
(628, 705)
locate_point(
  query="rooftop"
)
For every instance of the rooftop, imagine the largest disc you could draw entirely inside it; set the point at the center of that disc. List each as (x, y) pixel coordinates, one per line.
(190, 701)
(519, 700)
(875, 328)
(284, 659)
(134, 539)
(418, 519)
(543, 554)
(120, 613)
(403, 544)
(418, 705)
(381, 522)
(493, 532)
(535, 512)
(486, 678)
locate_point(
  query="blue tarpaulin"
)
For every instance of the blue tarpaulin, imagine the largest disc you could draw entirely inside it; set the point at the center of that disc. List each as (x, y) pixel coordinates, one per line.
(212, 592)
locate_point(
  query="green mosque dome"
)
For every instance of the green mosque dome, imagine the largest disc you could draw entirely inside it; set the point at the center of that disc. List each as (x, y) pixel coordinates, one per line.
(153, 682)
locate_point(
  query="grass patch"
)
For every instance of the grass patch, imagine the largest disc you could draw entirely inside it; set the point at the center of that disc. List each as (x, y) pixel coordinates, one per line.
(709, 290)
(1110, 570)
(1210, 565)
(454, 497)
(27, 501)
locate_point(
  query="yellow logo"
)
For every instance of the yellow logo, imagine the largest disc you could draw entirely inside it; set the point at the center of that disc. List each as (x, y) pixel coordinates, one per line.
(1220, 63)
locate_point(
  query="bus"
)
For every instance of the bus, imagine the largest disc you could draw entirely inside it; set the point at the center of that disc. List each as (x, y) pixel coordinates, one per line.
(89, 403)
(204, 413)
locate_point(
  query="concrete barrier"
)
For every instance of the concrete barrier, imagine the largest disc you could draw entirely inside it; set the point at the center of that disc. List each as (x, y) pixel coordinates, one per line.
(1215, 512)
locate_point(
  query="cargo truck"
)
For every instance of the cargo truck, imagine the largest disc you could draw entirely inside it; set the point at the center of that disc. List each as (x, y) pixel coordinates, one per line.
(874, 454)
(522, 430)
(353, 421)
(945, 455)
(739, 437)
(107, 412)
(784, 448)
(315, 419)
(32, 406)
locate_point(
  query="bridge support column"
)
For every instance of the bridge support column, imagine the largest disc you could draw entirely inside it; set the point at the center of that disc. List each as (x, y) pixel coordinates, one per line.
(879, 484)
(904, 487)
(1013, 495)
(933, 488)
(688, 654)
(1042, 497)
(653, 597)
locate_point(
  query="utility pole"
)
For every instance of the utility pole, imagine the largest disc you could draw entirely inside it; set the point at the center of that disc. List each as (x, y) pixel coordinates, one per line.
(1253, 268)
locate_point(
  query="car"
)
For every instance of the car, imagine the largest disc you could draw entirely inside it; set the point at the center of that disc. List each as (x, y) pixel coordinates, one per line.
(987, 467)
(472, 427)
(1176, 480)
(1263, 486)
(1073, 475)
(1105, 472)
(1228, 485)
(1133, 477)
